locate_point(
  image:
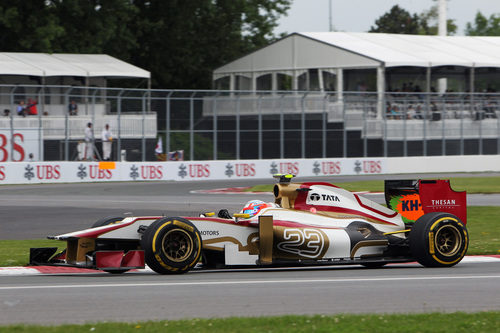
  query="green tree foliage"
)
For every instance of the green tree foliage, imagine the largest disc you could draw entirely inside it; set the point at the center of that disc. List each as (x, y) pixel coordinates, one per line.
(429, 20)
(397, 21)
(27, 26)
(483, 26)
(400, 21)
(179, 41)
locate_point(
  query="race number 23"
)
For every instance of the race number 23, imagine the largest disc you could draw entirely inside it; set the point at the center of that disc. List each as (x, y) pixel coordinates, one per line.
(307, 243)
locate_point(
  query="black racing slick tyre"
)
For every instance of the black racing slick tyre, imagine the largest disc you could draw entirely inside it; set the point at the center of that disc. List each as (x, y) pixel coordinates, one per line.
(172, 245)
(107, 221)
(438, 240)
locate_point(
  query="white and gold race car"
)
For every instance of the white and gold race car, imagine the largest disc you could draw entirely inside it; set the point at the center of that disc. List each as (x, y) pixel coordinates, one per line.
(310, 223)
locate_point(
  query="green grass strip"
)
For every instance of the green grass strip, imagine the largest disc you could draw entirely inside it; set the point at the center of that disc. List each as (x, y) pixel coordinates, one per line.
(397, 323)
(470, 184)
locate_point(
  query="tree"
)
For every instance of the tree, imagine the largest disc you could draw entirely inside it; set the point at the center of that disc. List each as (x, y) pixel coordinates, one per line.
(483, 26)
(429, 23)
(183, 41)
(28, 26)
(397, 21)
(180, 42)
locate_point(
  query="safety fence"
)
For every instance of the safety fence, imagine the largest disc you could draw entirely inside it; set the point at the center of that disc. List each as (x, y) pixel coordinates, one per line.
(147, 124)
(78, 172)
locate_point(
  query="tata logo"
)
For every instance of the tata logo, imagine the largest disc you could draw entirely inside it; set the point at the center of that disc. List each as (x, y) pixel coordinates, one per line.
(315, 197)
(324, 197)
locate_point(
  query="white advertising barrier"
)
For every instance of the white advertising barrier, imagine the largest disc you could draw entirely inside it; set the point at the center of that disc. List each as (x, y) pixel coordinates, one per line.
(76, 172)
(18, 145)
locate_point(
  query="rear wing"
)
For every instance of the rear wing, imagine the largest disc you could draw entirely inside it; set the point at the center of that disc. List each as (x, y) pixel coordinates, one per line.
(414, 198)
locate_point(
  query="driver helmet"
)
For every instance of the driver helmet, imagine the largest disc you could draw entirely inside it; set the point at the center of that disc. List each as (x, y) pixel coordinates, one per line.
(253, 207)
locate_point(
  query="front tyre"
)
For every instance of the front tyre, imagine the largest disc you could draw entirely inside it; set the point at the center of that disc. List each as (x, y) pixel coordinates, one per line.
(438, 240)
(172, 245)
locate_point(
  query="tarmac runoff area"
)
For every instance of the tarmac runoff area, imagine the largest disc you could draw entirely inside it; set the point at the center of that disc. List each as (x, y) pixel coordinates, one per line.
(48, 270)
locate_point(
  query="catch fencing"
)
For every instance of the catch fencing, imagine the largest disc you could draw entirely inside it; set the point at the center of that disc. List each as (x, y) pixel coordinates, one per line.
(234, 125)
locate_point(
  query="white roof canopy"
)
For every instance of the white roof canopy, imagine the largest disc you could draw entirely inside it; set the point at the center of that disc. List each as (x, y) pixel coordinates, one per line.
(85, 65)
(362, 50)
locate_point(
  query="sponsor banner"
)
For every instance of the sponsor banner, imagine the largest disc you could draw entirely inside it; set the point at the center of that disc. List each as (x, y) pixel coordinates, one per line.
(20, 145)
(71, 172)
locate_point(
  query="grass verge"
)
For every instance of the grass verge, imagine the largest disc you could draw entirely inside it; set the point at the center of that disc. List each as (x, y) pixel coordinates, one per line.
(470, 184)
(428, 322)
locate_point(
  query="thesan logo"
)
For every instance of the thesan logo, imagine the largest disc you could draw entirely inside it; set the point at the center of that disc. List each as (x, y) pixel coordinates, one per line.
(316, 197)
(443, 202)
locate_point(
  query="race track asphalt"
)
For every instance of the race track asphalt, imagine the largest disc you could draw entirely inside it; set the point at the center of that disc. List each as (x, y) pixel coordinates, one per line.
(34, 211)
(134, 297)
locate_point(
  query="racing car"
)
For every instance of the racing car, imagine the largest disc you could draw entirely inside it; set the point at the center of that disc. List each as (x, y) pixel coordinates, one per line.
(309, 223)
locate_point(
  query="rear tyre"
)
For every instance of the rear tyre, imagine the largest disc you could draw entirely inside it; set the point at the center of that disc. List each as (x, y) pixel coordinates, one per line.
(172, 245)
(107, 221)
(438, 240)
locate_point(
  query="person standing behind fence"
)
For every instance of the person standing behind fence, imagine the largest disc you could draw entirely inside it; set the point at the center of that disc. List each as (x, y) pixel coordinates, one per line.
(107, 140)
(73, 108)
(21, 109)
(89, 142)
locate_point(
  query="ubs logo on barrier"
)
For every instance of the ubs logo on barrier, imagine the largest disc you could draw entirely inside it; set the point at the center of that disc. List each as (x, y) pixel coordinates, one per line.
(82, 171)
(2, 172)
(240, 170)
(368, 167)
(151, 172)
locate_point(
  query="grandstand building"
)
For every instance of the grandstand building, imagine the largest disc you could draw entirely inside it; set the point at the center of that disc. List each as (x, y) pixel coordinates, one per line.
(382, 88)
(52, 81)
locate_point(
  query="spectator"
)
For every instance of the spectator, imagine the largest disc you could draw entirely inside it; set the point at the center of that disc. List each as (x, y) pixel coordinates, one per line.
(89, 142)
(21, 109)
(73, 108)
(31, 107)
(107, 140)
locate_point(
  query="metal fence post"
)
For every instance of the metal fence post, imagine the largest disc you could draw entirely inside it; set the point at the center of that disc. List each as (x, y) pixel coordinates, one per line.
(324, 124)
(303, 127)
(282, 129)
(143, 139)
(119, 111)
(260, 127)
(40, 134)
(167, 123)
(12, 102)
(344, 131)
(214, 126)
(191, 126)
(238, 129)
(66, 127)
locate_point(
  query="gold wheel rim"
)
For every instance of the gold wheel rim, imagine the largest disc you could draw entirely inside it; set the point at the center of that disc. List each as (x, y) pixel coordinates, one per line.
(177, 245)
(448, 240)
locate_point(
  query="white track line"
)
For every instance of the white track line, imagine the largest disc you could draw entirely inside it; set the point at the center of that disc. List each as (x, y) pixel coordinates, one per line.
(252, 282)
